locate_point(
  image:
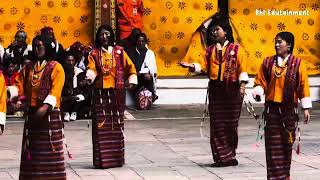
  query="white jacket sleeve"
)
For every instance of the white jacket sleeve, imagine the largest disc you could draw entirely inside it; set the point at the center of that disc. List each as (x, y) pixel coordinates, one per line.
(149, 63)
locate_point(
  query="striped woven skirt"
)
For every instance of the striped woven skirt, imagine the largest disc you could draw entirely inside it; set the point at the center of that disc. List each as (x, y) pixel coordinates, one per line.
(225, 108)
(42, 155)
(107, 130)
(278, 148)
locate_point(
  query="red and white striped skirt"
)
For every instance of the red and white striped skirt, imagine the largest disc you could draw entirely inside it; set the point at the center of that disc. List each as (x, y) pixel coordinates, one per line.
(107, 130)
(278, 148)
(42, 155)
(225, 108)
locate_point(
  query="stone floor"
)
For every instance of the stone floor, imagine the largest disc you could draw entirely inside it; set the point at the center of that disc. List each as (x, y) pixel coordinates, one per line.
(165, 143)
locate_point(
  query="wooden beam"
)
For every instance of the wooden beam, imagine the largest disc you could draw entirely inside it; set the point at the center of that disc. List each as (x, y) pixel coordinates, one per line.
(223, 6)
(105, 13)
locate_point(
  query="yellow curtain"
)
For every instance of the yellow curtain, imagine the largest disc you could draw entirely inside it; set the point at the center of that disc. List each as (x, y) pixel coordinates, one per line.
(256, 33)
(169, 25)
(72, 20)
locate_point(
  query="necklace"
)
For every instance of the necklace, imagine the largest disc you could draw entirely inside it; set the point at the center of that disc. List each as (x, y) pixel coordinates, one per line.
(278, 70)
(36, 74)
(107, 63)
(220, 58)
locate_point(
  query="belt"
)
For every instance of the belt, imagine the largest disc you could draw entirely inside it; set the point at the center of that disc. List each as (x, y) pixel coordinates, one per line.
(279, 108)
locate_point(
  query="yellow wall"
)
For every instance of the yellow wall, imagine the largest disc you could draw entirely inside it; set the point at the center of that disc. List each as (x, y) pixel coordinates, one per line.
(71, 20)
(170, 24)
(256, 33)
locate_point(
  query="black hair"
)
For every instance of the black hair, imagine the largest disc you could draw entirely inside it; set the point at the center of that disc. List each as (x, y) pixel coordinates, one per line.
(45, 30)
(289, 38)
(111, 39)
(32, 57)
(218, 20)
(142, 35)
(134, 33)
(66, 66)
(68, 53)
(20, 31)
(78, 50)
(81, 76)
(9, 60)
(39, 38)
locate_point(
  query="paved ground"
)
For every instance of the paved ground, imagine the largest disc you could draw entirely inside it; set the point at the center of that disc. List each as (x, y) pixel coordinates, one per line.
(165, 144)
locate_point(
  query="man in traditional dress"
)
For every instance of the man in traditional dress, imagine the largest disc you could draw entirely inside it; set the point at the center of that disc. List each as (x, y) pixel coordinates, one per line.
(71, 98)
(18, 50)
(16, 105)
(129, 16)
(109, 67)
(41, 81)
(81, 53)
(226, 66)
(55, 49)
(144, 60)
(282, 78)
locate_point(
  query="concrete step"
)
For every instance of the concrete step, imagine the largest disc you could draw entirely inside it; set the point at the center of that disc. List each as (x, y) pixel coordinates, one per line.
(193, 90)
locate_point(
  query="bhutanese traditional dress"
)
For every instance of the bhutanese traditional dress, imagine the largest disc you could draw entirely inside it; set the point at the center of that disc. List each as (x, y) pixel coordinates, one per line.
(226, 69)
(109, 69)
(42, 154)
(282, 81)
